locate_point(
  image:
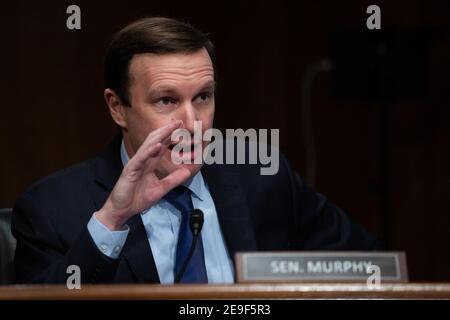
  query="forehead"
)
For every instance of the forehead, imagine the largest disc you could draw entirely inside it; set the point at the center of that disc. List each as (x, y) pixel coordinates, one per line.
(159, 68)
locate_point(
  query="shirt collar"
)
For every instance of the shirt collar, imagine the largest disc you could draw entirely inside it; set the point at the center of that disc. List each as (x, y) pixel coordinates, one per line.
(195, 184)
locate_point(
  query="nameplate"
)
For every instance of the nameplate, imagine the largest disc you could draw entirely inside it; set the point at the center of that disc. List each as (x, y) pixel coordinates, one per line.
(320, 266)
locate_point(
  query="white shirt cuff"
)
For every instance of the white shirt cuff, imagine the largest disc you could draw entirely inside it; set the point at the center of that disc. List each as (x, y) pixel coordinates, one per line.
(110, 243)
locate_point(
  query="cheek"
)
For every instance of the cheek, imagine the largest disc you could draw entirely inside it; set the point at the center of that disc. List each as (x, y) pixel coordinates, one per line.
(139, 127)
(207, 118)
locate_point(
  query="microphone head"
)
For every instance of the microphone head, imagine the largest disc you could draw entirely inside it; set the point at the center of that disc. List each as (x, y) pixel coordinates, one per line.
(196, 221)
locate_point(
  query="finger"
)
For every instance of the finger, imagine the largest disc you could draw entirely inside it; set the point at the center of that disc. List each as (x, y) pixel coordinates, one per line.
(137, 163)
(168, 140)
(152, 161)
(161, 134)
(157, 136)
(174, 179)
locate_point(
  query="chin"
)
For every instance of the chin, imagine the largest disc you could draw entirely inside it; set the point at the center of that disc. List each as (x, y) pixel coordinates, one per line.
(167, 167)
(193, 168)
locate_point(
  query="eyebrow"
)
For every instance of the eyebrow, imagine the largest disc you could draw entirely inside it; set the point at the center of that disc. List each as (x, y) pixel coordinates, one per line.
(209, 85)
(164, 89)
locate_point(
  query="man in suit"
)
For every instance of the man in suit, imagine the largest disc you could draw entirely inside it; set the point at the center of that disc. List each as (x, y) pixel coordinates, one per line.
(122, 217)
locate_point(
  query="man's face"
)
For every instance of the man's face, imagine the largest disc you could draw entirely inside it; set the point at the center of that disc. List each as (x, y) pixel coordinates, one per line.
(168, 87)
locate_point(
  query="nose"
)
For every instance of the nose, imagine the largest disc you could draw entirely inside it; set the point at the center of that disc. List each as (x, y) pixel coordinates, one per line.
(189, 116)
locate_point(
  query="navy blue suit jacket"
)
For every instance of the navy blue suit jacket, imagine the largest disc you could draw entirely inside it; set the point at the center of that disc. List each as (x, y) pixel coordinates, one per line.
(255, 213)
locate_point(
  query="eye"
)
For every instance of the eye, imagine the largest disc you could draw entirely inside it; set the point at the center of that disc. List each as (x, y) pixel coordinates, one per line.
(204, 97)
(165, 102)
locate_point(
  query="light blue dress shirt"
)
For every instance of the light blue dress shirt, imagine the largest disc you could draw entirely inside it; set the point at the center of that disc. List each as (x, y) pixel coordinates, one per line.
(161, 223)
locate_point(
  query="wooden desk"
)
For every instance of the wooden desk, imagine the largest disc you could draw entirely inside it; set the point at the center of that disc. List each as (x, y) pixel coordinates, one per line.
(237, 291)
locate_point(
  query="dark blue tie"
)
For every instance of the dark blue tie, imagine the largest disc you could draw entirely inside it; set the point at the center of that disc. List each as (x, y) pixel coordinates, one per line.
(195, 272)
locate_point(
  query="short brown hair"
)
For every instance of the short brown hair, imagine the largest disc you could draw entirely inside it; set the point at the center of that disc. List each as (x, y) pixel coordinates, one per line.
(149, 35)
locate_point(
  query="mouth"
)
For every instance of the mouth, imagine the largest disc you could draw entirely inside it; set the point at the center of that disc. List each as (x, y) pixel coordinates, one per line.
(185, 152)
(191, 146)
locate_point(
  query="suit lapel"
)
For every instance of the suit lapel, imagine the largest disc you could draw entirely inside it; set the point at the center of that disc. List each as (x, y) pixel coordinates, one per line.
(137, 251)
(232, 208)
(107, 169)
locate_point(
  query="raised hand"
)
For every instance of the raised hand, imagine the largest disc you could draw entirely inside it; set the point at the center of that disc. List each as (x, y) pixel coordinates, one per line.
(138, 187)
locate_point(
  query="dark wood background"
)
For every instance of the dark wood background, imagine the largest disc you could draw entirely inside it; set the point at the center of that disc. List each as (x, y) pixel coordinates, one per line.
(53, 113)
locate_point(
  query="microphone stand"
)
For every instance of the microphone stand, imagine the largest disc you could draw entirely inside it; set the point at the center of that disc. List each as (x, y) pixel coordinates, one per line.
(196, 224)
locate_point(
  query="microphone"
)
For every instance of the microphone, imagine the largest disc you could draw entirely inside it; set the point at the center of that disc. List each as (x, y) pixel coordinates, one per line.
(196, 224)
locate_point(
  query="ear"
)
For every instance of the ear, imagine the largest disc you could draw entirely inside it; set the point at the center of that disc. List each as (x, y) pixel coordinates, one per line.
(116, 107)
